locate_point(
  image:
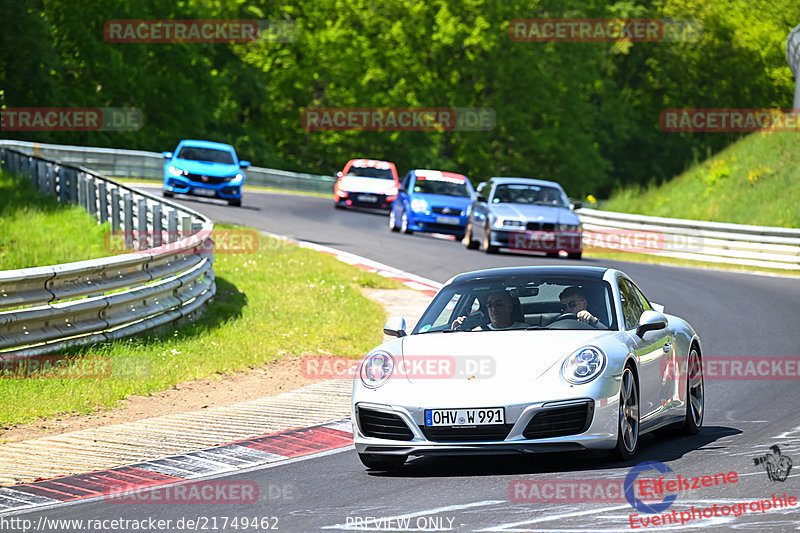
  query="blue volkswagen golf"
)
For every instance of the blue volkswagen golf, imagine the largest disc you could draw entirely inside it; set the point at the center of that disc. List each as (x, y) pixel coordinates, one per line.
(432, 201)
(204, 168)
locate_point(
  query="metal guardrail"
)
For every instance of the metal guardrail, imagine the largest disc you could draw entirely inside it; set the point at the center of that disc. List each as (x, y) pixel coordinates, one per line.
(757, 246)
(117, 163)
(165, 277)
(716, 242)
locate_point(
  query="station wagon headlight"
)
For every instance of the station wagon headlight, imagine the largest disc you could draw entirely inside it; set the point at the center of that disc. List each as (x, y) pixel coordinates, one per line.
(419, 205)
(584, 365)
(376, 369)
(175, 171)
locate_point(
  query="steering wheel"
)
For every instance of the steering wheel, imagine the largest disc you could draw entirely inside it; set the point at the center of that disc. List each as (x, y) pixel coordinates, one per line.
(565, 316)
(472, 321)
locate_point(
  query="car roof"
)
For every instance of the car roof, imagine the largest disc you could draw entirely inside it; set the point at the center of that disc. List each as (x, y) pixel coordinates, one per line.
(370, 163)
(563, 270)
(527, 181)
(206, 144)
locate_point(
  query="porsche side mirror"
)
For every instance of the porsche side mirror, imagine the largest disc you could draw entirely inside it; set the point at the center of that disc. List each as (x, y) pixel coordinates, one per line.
(650, 321)
(244, 164)
(167, 155)
(395, 326)
(339, 174)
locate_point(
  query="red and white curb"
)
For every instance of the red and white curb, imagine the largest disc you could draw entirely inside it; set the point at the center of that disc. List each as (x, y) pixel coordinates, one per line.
(258, 451)
(239, 455)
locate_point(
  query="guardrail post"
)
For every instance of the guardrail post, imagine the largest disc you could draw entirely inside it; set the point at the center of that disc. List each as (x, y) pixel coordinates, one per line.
(186, 226)
(91, 196)
(63, 192)
(43, 176)
(103, 194)
(128, 227)
(115, 219)
(81, 183)
(51, 179)
(157, 227)
(34, 166)
(141, 224)
(41, 171)
(172, 226)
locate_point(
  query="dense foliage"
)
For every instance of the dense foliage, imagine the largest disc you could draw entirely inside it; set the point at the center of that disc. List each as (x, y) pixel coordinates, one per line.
(583, 113)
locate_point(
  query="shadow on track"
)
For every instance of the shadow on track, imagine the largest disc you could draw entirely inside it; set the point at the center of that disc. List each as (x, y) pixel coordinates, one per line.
(652, 447)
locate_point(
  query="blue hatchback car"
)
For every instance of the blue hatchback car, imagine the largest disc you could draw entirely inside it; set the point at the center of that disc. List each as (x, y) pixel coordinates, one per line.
(432, 201)
(204, 168)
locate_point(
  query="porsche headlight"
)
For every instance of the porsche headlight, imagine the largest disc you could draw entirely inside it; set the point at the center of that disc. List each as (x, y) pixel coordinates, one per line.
(175, 171)
(584, 365)
(419, 205)
(376, 369)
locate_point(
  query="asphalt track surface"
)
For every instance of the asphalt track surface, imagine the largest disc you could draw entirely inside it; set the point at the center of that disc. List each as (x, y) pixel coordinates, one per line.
(734, 314)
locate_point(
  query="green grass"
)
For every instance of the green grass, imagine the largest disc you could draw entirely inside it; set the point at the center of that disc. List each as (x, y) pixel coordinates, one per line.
(37, 230)
(278, 299)
(281, 299)
(753, 181)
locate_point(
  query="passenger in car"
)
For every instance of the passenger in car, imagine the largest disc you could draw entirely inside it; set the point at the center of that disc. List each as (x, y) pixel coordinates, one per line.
(573, 301)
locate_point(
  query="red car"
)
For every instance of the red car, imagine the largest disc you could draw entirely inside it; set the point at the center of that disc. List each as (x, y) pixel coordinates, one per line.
(366, 183)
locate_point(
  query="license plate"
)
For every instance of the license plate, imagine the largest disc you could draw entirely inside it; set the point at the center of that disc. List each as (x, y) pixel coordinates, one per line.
(367, 198)
(205, 192)
(448, 220)
(465, 417)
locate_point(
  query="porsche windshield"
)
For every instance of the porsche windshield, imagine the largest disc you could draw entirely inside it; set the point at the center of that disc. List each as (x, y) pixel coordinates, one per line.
(521, 302)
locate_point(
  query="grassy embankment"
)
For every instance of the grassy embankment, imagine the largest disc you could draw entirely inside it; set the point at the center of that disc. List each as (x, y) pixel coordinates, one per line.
(753, 181)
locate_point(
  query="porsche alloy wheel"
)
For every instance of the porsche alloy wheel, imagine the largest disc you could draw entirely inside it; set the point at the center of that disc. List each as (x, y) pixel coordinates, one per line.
(628, 425)
(695, 394)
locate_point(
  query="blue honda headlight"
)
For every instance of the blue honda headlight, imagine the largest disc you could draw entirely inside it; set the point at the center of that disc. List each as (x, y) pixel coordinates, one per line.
(376, 369)
(584, 365)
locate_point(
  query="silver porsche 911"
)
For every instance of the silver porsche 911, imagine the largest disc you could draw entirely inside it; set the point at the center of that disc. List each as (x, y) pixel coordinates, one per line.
(525, 360)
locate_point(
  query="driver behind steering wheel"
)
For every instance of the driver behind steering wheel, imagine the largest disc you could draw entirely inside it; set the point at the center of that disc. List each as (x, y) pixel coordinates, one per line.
(573, 301)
